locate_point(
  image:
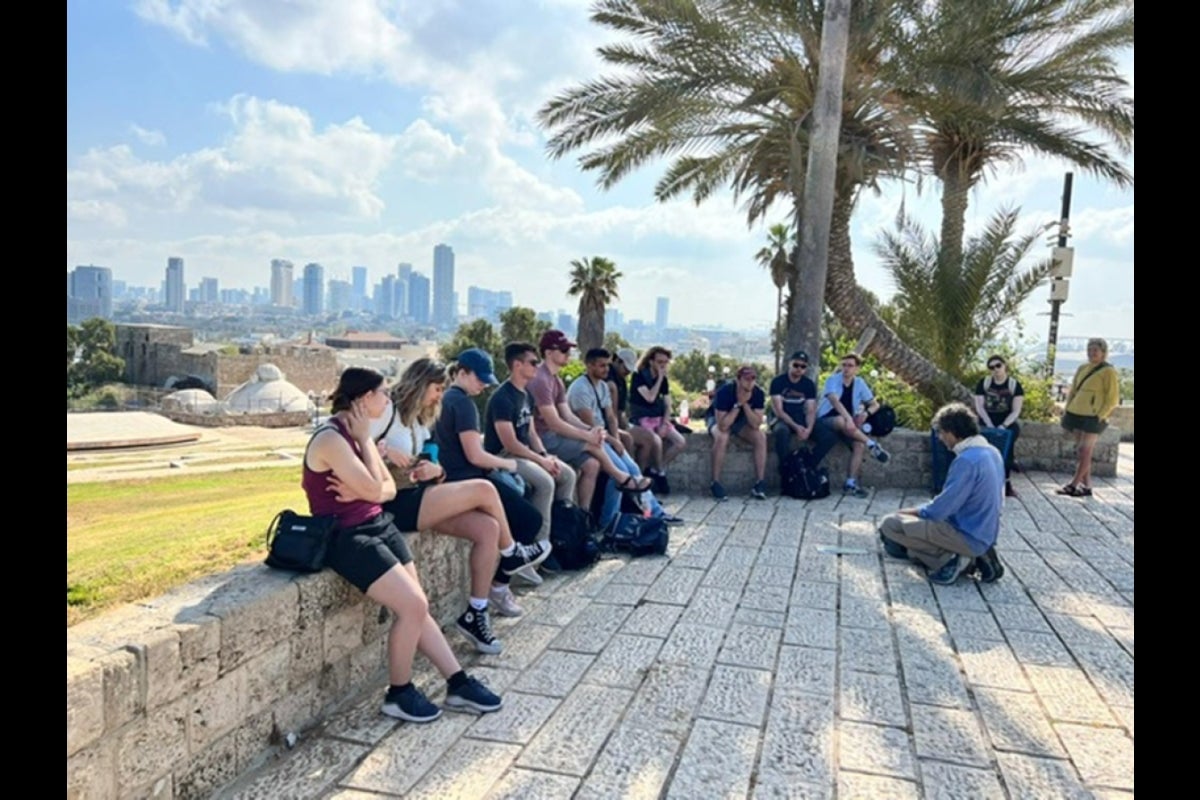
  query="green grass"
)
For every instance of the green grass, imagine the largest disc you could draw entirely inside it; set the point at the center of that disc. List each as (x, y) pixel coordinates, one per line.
(133, 539)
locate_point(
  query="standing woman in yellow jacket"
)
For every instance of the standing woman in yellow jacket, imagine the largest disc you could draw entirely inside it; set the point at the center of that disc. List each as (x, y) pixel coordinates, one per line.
(1095, 392)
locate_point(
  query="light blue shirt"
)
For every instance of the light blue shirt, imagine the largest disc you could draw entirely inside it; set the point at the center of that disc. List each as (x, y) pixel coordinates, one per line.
(834, 385)
(973, 494)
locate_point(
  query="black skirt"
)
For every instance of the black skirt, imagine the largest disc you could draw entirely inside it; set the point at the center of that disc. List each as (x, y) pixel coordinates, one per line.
(1082, 424)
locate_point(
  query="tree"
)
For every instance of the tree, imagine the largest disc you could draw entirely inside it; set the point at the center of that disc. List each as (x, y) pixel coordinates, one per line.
(594, 281)
(72, 344)
(520, 324)
(614, 341)
(98, 364)
(775, 259)
(476, 333)
(951, 311)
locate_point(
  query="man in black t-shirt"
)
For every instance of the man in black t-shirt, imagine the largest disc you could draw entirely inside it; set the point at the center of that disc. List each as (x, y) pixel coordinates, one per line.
(737, 410)
(998, 401)
(793, 405)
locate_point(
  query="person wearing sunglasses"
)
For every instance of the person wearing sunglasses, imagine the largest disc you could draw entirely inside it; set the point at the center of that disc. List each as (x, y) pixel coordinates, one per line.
(998, 401)
(793, 405)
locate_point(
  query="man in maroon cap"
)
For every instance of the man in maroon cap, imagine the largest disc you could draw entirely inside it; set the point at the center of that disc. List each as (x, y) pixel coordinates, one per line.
(563, 433)
(737, 410)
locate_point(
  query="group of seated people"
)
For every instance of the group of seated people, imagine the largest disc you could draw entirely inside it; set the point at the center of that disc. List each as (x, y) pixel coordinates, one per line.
(417, 457)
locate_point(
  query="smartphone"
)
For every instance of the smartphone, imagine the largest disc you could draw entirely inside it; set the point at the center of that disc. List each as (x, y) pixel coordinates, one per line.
(423, 456)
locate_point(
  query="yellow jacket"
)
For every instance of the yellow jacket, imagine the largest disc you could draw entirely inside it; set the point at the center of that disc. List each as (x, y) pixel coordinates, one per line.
(1097, 394)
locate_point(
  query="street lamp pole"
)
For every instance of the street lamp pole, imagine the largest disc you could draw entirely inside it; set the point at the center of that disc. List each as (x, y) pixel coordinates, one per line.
(1059, 283)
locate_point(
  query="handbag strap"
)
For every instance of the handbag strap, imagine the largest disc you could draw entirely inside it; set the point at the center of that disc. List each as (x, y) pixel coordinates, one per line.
(1091, 372)
(273, 528)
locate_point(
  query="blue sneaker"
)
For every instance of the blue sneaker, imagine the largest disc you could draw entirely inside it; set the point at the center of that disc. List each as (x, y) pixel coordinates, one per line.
(718, 492)
(759, 490)
(950, 571)
(893, 549)
(409, 704)
(473, 695)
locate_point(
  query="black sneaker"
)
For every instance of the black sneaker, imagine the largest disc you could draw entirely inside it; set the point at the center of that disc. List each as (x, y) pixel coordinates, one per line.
(893, 549)
(409, 704)
(525, 555)
(759, 490)
(988, 566)
(473, 695)
(551, 566)
(477, 627)
(671, 519)
(661, 487)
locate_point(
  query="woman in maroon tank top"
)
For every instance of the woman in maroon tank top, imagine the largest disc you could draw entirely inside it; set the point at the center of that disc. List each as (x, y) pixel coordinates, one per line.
(342, 462)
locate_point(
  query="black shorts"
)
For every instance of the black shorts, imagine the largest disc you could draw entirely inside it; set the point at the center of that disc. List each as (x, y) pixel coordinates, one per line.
(1078, 422)
(405, 508)
(362, 554)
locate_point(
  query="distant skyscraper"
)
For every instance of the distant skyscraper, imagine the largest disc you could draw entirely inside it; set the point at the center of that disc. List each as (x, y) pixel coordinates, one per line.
(89, 294)
(400, 299)
(314, 289)
(661, 313)
(486, 304)
(404, 271)
(210, 291)
(385, 297)
(444, 312)
(418, 298)
(341, 296)
(359, 281)
(566, 323)
(176, 293)
(281, 282)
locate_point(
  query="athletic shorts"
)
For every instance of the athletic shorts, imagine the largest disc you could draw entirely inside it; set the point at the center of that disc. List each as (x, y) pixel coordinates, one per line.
(406, 508)
(363, 554)
(569, 451)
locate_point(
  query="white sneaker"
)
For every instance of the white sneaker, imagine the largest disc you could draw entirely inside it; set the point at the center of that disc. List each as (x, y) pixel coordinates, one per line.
(501, 600)
(529, 574)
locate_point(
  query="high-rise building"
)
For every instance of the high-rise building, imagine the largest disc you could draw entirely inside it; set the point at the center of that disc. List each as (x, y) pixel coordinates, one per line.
(341, 296)
(175, 291)
(444, 312)
(358, 279)
(385, 297)
(418, 298)
(661, 312)
(566, 323)
(314, 289)
(281, 282)
(210, 292)
(404, 271)
(89, 293)
(487, 304)
(400, 299)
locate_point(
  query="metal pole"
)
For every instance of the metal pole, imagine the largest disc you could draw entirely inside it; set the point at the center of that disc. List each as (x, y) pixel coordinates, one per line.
(1056, 305)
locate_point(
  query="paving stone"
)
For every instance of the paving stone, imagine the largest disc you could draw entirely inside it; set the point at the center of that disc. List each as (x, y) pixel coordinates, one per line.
(736, 694)
(571, 738)
(772, 554)
(963, 595)
(466, 772)
(1017, 722)
(875, 749)
(559, 610)
(527, 784)
(1027, 776)
(1020, 617)
(622, 594)
(913, 597)
(1005, 592)
(554, 674)
(712, 606)
(691, 644)
(362, 723)
(652, 619)
(951, 782)
(643, 571)
(759, 618)
(948, 734)
(624, 662)
(517, 722)
(307, 771)
(932, 677)
(864, 613)
(1045, 649)
(772, 787)
(523, 649)
(1124, 637)
(872, 698)
(991, 664)
(587, 582)
(674, 585)
(867, 650)
(668, 698)
(1111, 672)
(634, 764)
(815, 594)
(813, 565)
(749, 646)
(806, 669)
(727, 576)
(811, 627)
(1103, 756)
(771, 575)
(736, 556)
(972, 625)
(857, 784)
(400, 760)
(717, 761)
(592, 629)
(1068, 696)
(1125, 715)
(766, 598)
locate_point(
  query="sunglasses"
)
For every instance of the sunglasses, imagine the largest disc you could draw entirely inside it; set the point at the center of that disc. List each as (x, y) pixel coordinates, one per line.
(997, 365)
(533, 362)
(799, 365)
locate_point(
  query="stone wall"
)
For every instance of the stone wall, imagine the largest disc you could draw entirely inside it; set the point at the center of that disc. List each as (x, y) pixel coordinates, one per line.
(1041, 446)
(308, 368)
(174, 697)
(280, 419)
(1122, 417)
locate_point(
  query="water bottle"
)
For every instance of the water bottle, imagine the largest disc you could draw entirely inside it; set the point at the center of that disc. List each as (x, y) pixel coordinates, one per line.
(683, 412)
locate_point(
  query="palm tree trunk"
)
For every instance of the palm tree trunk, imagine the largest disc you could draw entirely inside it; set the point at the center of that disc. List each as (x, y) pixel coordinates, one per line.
(847, 302)
(956, 187)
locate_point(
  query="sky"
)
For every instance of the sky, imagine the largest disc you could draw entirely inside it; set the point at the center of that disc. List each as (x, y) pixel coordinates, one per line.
(361, 132)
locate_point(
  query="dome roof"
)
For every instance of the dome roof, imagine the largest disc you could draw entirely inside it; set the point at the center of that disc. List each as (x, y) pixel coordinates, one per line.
(193, 401)
(267, 392)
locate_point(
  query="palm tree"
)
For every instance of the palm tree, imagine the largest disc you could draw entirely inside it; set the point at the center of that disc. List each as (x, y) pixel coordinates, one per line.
(953, 312)
(594, 280)
(775, 259)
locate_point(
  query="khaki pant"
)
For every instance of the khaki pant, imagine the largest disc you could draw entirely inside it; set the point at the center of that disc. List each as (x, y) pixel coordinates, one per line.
(546, 488)
(929, 542)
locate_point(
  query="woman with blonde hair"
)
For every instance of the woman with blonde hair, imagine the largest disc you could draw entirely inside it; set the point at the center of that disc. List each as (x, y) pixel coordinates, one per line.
(469, 509)
(1095, 392)
(650, 405)
(344, 476)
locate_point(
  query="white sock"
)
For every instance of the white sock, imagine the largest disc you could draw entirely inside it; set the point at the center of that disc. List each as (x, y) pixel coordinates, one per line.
(479, 603)
(508, 551)
(872, 444)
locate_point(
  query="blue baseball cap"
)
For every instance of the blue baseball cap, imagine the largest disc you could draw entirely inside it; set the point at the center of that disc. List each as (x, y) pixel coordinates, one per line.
(480, 363)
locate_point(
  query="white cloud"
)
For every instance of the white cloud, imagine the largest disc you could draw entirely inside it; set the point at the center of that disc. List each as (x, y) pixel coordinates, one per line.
(1111, 225)
(153, 138)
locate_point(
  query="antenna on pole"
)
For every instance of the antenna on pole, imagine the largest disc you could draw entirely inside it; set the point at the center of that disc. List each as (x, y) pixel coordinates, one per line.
(1060, 274)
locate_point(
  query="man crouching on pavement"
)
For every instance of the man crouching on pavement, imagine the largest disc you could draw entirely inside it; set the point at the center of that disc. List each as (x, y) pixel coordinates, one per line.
(955, 532)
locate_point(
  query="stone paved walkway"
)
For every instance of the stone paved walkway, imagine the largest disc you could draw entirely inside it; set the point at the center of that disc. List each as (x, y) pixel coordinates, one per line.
(756, 662)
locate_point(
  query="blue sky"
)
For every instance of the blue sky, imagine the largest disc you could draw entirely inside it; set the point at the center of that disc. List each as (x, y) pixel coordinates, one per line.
(363, 132)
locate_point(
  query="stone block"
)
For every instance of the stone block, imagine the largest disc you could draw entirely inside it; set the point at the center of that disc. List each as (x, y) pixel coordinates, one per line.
(750, 646)
(255, 614)
(717, 761)
(624, 663)
(199, 649)
(1103, 756)
(252, 737)
(400, 760)
(85, 703)
(92, 772)
(265, 678)
(149, 748)
(343, 632)
(872, 698)
(523, 715)
(797, 746)
(572, 737)
(736, 695)
(1016, 722)
(947, 734)
(217, 709)
(634, 764)
(879, 750)
(1027, 776)
(208, 770)
(592, 629)
(951, 780)
(527, 784)
(555, 673)
(652, 619)
(807, 669)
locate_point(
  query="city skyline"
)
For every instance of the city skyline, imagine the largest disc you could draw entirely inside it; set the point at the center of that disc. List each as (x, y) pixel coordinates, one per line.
(270, 141)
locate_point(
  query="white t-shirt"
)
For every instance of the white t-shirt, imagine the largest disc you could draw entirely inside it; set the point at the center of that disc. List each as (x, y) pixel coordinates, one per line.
(583, 394)
(406, 438)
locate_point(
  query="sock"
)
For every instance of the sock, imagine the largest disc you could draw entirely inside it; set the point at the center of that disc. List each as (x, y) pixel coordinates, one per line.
(851, 482)
(479, 603)
(402, 687)
(457, 679)
(508, 551)
(872, 444)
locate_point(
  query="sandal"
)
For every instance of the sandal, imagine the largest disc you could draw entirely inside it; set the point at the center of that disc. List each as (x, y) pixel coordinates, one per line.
(1083, 491)
(628, 487)
(1071, 490)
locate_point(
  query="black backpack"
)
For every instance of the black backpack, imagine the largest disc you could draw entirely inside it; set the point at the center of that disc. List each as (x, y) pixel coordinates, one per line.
(637, 535)
(571, 537)
(801, 479)
(882, 422)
